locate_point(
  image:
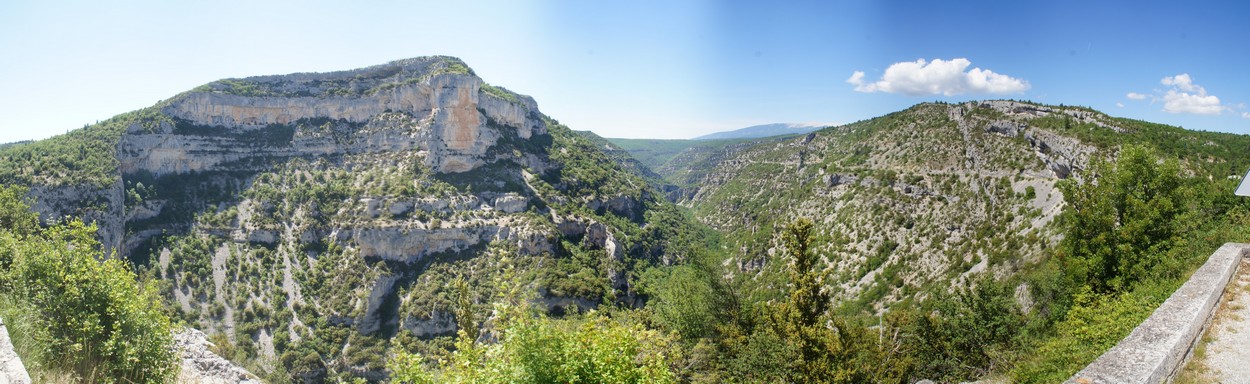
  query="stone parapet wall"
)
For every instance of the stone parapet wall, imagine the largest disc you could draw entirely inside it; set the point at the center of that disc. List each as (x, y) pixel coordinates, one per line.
(1158, 348)
(11, 369)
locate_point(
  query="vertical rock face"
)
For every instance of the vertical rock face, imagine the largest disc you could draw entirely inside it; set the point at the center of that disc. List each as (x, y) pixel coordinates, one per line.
(55, 203)
(430, 104)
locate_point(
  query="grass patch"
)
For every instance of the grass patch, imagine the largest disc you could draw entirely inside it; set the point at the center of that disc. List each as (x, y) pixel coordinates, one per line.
(21, 320)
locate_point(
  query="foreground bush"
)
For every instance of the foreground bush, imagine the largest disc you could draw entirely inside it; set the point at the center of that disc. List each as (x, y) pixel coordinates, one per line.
(94, 321)
(533, 348)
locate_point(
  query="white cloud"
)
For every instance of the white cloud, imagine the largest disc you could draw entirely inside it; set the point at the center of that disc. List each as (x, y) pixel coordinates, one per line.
(857, 79)
(1119, 104)
(1184, 83)
(1187, 97)
(1245, 115)
(1136, 96)
(1182, 102)
(938, 77)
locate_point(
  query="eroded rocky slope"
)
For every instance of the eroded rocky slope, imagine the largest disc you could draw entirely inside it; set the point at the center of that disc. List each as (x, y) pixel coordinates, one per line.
(918, 199)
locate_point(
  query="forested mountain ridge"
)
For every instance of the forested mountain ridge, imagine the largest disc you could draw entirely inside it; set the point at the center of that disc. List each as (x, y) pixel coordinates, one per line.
(306, 220)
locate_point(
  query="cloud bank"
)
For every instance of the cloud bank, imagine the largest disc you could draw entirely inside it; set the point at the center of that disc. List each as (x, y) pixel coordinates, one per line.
(938, 77)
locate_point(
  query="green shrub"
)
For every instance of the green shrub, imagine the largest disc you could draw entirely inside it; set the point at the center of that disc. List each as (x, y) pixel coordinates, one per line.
(95, 320)
(536, 349)
(1121, 224)
(533, 348)
(1093, 325)
(968, 334)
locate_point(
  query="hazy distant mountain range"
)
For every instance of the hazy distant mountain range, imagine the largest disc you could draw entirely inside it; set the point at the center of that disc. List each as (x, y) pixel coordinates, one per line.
(765, 130)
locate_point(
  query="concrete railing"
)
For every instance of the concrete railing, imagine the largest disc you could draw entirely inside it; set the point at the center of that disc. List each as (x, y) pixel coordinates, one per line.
(1158, 348)
(11, 369)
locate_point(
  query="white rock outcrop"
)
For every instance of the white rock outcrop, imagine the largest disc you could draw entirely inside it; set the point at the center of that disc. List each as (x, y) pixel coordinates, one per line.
(201, 365)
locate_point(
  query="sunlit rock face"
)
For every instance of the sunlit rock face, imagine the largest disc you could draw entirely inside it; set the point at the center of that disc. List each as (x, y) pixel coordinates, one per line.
(429, 104)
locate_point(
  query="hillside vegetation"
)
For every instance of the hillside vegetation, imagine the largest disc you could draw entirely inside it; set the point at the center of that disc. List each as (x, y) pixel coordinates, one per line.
(989, 198)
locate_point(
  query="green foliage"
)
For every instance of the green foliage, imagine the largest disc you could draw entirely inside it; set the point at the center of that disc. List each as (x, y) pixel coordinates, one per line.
(581, 273)
(28, 333)
(454, 66)
(1135, 229)
(101, 324)
(762, 356)
(1121, 224)
(86, 156)
(407, 368)
(595, 349)
(501, 93)
(800, 340)
(15, 217)
(242, 88)
(466, 320)
(533, 348)
(684, 299)
(968, 334)
(1093, 325)
(808, 301)
(587, 171)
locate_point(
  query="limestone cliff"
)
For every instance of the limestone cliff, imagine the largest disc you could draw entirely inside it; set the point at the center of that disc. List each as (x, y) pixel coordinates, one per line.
(424, 104)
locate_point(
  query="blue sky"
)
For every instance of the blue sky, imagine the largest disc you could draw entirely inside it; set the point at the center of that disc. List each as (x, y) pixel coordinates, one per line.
(661, 69)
